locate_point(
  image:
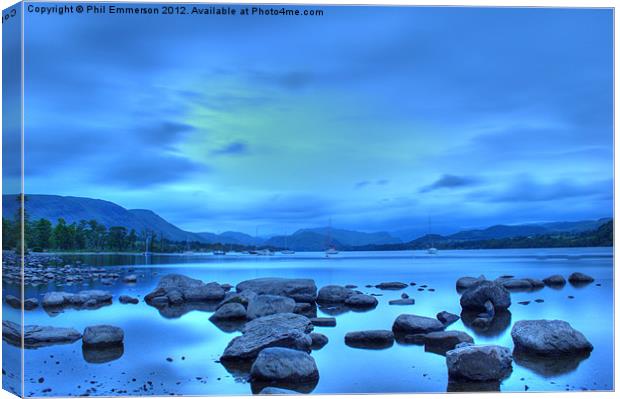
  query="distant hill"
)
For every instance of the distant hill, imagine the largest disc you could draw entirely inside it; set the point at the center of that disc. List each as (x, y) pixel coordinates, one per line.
(303, 240)
(74, 209)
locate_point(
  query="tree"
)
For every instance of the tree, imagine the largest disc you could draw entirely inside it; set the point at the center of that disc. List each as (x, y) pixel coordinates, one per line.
(132, 239)
(62, 235)
(117, 238)
(42, 234)
(8, 234)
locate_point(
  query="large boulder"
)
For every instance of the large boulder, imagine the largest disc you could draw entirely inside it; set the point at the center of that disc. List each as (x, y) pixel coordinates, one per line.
(229, 311)
(38, 336)
(265, 305)
(176, 289)
(301, 290)
(334, 294)
(442, 341)
(370, 339)
(479, 363)
(278, 330)
(548, 337)
(284, 365)
(361, 301)
(103, 335)
(407, 324)
(475, 297)
(464, 283)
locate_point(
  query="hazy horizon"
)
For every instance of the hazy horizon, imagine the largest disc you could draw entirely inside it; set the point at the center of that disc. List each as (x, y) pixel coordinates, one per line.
(380, 119)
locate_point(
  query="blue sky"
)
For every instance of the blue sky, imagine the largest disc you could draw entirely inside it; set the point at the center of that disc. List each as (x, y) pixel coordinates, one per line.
(374, 117)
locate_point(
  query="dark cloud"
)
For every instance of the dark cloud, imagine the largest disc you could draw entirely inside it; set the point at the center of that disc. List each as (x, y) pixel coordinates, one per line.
(365, 183)
(235, 148)
(450, 182)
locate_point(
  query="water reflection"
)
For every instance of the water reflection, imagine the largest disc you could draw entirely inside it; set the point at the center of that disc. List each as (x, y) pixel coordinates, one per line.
(473, 386)
(490, 327)
(549, 366)
(102, 354)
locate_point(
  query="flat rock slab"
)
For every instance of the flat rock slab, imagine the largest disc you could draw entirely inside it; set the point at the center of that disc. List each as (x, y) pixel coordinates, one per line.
(407, 324)
(520, 283)
(265, 305)
(284, 365)
(301, 290)
(323, 321)
(278, 330)
(548, 337)
(38, 336)
(370, 339)
(479, 363)
(475, 297)
(402, 301)
(88, 298)
(103, 335)
(392, 285)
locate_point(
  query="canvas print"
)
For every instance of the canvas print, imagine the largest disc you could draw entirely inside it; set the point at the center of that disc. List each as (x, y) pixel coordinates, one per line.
(237, 199)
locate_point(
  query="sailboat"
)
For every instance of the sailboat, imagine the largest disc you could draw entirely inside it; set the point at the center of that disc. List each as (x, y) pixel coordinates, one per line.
(431, 250)
(188, 250)
(331, 249)
(286, 250)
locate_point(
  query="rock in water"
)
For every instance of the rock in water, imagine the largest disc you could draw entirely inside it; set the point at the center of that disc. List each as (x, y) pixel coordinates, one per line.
(229, 311)
(318, 340)
(102, 336)
(13, 301)
(323, 321)
(265, 305)
(479, 363)
(370, 339)
(93, 298)
(334, 294)
(548, 337)
(176, 289)
(464, 283)
(31, 303)
(403, 301)
(243, 298)
(447, 318)
(278, 330)
(407, 324)
(442, 341)
(284, 365)
(132, 278)
(474, 298)
(38, 336)
(361, 301)
(301, 290)
(392, 285)
(126, 299)
(580, 278)
(555, 281)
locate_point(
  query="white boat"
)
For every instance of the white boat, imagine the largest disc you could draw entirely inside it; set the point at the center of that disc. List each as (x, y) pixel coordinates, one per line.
(219, 252)
(287, 252)
(264, 252)
(432, 250)
(331, 251)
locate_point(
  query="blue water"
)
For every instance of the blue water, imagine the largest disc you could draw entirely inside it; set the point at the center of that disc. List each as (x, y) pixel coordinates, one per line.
(150, 338)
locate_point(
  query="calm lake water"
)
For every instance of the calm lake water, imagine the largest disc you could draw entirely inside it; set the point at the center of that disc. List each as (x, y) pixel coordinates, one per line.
(195, 344)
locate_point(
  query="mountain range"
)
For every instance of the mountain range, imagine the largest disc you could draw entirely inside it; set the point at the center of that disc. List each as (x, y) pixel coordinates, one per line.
(74, 209)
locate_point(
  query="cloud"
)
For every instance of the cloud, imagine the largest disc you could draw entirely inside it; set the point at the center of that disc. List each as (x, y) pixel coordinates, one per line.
(234, 148)
(449, 182)
(365, 183)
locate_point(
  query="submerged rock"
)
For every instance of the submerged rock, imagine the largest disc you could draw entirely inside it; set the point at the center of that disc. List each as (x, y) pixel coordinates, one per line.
(412, 324)
(548, 337)
(229, 311)
(103, 335)
(392, 285)
(38, 336)
(403, 301)
(479, 363)
(447, 318)
(442, 341)
(278, 330)
(301, 290)
(265, 305)
(284, 365)
(475, 297)
(370, 339)
(333, 294)
(126, 299)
